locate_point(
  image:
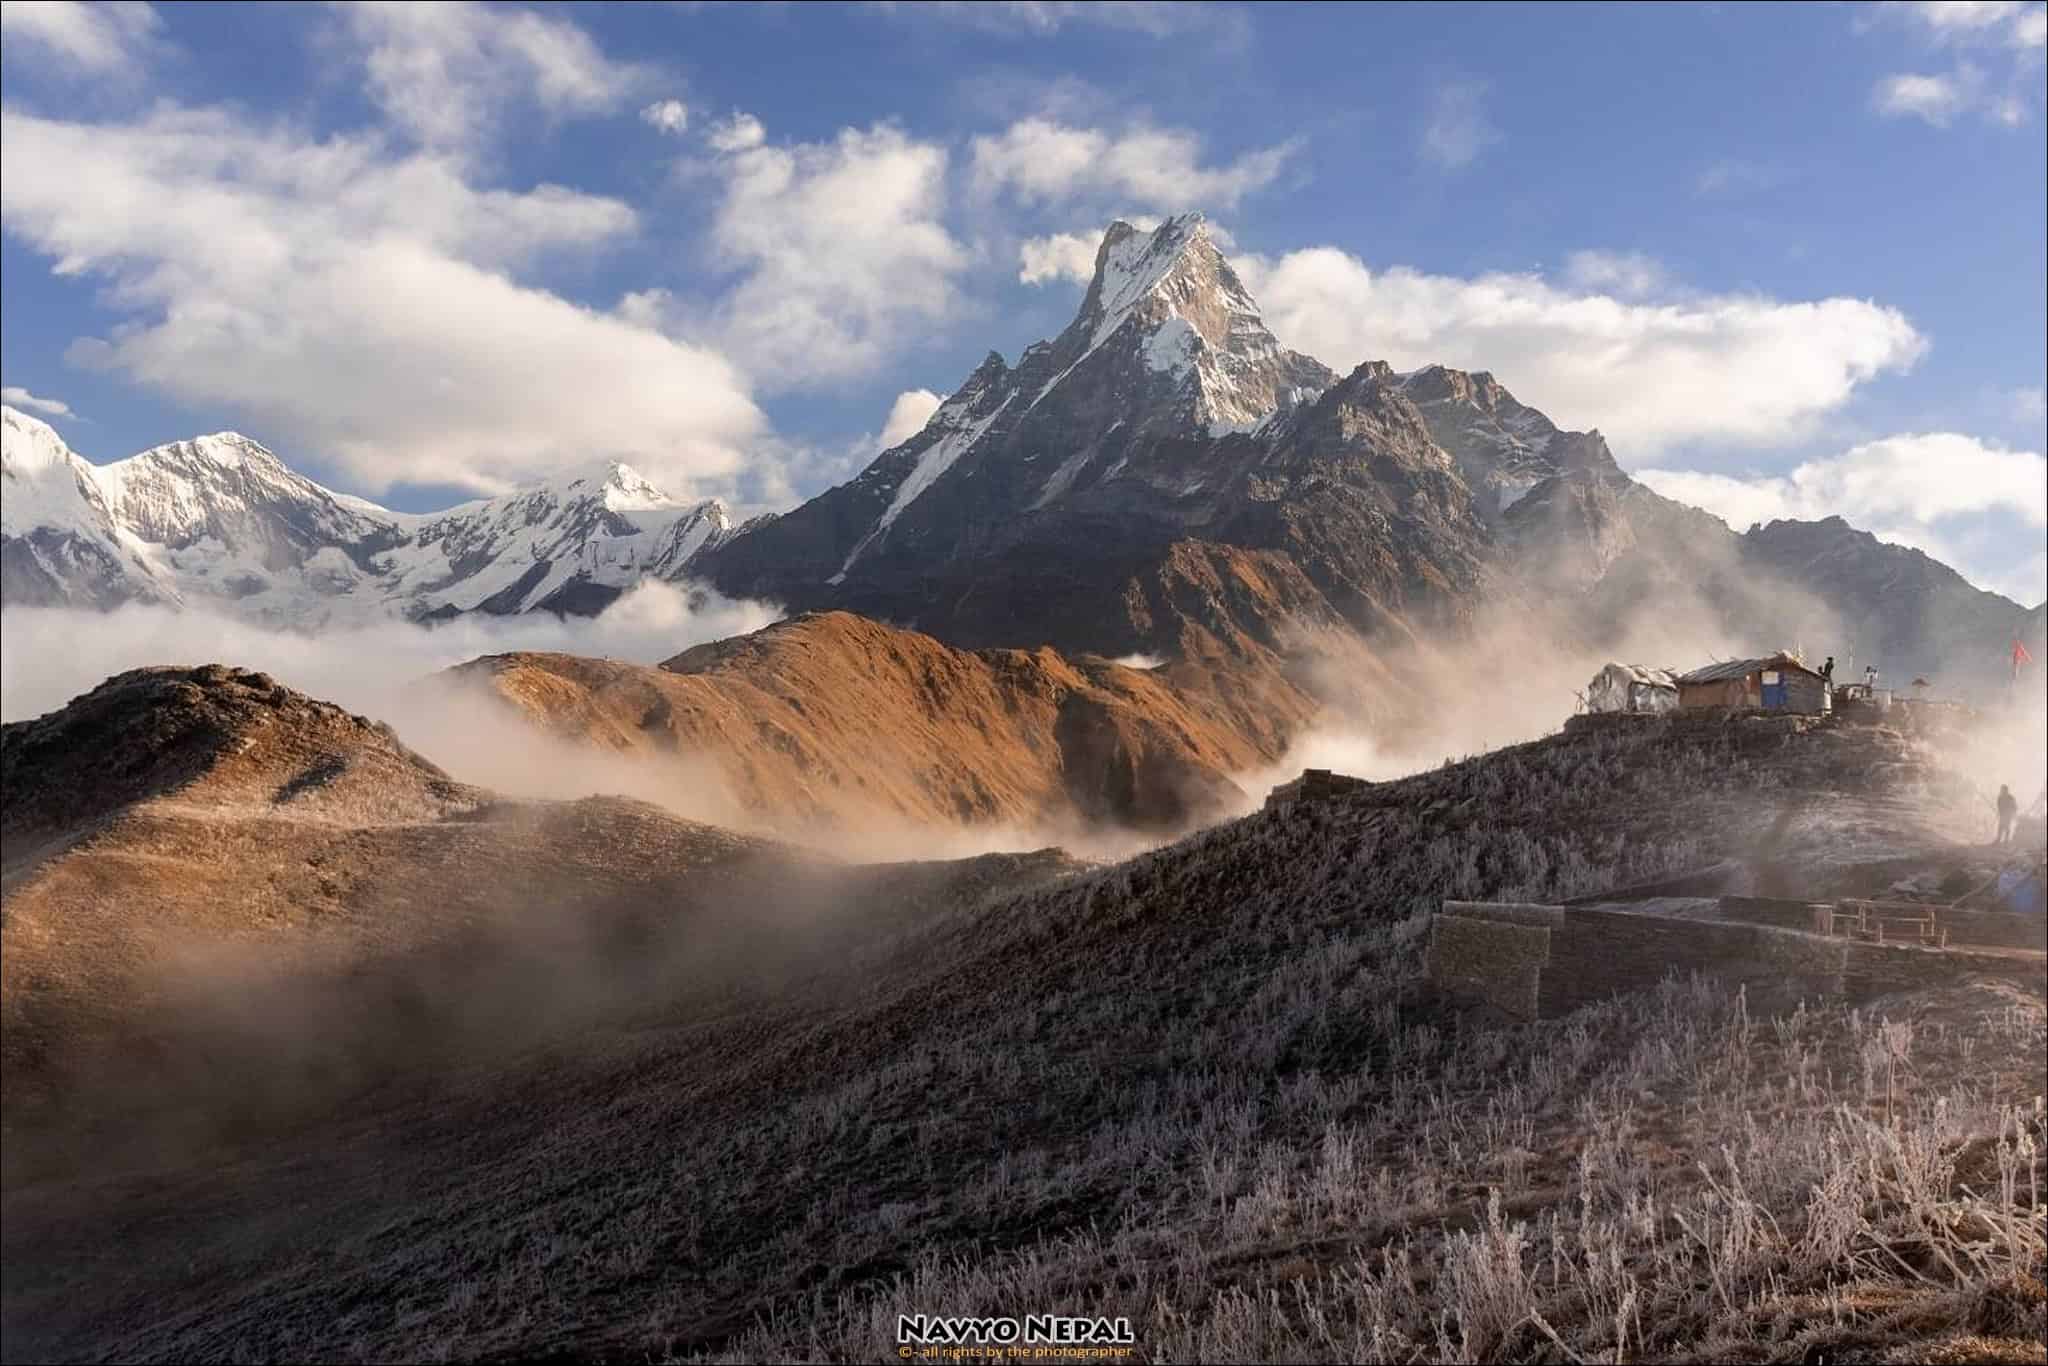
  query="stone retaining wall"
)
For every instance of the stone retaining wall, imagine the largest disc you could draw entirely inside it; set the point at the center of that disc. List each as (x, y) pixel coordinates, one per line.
(1598, 953)
(1491, 961)
(1537, 961)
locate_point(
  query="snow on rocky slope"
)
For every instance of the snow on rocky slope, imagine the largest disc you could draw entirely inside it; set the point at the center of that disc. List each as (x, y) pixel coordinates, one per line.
(221, 521)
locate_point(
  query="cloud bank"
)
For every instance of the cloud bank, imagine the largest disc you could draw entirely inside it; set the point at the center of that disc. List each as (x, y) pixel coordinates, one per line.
(1044, 161)
(1915, 490)
(280, 278)
(843, 248)
(1651, 373)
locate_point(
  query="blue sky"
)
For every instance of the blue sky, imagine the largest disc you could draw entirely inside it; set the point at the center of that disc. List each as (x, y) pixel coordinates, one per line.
(1790, 258)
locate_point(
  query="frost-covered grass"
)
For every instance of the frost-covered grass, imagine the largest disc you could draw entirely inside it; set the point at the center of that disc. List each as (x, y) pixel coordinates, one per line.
(1202, 1088)
(1658, 1178)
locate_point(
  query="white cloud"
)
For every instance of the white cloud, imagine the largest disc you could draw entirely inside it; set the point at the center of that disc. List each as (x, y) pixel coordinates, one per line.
(1650, 374)
(1044, 18)
(737, 133)
(22, 398)
(1951, 16)
(360, 306)
(445, 71)
(1940, 100)
(845, 252)
(1923, 490)
(907, 416)
(1457, 130)
(1976, 21)
(91, 39)
(1062, 256)
(2030, 403)
(1985, 30)
(1041, 160)
(1629, 274)
(668, 116)
(1936, 99)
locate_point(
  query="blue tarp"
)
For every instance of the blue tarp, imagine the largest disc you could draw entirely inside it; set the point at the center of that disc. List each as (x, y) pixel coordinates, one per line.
(2019, 890)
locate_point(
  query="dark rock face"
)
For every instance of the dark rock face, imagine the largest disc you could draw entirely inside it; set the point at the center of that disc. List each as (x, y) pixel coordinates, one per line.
(1163, 466)
(1899, 608)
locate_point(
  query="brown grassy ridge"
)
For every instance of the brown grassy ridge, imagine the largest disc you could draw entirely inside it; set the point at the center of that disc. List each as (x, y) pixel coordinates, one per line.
(832, 719)
(1200, 1087)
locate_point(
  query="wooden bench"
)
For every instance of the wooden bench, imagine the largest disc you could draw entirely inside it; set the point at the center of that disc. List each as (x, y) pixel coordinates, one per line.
(1883, 922)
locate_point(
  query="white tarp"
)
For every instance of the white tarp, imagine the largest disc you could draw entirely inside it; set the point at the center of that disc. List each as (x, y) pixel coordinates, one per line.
(1631, 687)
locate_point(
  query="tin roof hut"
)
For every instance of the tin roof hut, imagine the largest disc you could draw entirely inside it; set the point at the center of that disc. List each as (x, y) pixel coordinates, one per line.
(1773, 683)
(1632, 688)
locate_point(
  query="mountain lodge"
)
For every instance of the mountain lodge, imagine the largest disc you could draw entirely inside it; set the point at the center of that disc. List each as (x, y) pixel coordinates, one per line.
(1774, 683)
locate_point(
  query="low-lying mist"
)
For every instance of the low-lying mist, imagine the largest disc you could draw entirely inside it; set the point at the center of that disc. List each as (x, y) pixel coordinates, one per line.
(384, 671)
(1515, 674)
(388, 671)
(54, 654)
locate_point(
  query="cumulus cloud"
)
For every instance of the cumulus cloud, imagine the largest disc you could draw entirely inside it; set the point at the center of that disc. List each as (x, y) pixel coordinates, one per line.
(737, 133)
(2030, 403)
(907, 416)
(1935, 99)
(1941, 100)
(842, 246)
(1920, 489)
(360, 305)
(1457, 129)
(1629, 274)
(86, 39)
(1649, 373)
(667, 116)
(2002, 35)
(1044, 161)
(444, 71)
(1062, 256)
(2008, 21)
(22, 398)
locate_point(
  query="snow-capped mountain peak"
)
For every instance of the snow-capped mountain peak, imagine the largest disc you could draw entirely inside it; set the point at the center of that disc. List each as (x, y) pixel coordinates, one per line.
(1173, 298)
(623, 489)
(1132, 266)
(222, 518)
(1167, 344)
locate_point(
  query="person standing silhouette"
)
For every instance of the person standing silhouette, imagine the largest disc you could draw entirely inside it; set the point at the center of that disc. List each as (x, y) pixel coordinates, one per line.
(2008, 807)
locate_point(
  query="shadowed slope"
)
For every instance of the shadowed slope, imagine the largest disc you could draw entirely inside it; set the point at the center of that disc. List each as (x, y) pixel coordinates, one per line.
(200, 860)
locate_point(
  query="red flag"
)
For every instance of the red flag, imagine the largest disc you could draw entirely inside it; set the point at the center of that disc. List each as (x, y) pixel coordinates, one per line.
(2019, 653)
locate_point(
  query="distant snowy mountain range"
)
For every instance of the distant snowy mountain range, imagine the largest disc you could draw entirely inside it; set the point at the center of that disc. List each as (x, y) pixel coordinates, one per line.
(220, 521)
(1163, 477)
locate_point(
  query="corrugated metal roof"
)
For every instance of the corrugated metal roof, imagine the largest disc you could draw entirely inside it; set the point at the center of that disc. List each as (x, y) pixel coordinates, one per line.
(1742, 668)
